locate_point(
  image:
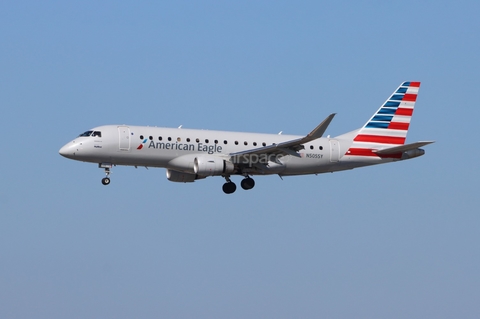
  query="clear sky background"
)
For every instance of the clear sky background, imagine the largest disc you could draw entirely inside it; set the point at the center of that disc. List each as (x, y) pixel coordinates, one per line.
(392, 241)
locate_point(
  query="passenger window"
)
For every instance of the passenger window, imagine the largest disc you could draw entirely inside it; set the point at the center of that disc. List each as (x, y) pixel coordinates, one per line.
(311, 147)
(264, 144)
(216, 141)
(141, 137)
(198, 140)
(236, 142)
(188, 139)
(179, 139)
(245, 143)
(254, 143)
(206, 140)
(225, 142)
(159, 138)
(150, 138)
(169, 139)
(320, 148)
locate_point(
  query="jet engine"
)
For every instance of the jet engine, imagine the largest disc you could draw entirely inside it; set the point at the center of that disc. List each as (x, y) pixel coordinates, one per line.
(211, 166)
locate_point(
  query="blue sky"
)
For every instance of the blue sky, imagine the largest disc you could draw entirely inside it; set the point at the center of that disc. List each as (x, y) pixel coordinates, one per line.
(393, 241)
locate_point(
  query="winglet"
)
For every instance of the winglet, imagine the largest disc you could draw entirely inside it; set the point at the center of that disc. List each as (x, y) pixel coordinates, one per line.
(313, 135)
(319, 130)
(290, 147)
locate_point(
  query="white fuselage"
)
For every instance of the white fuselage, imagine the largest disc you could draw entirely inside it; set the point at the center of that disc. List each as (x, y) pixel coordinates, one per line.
(176, 149)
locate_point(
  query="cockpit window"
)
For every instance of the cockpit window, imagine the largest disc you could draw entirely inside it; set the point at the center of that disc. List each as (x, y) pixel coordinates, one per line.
(87, 133)
(91, 133)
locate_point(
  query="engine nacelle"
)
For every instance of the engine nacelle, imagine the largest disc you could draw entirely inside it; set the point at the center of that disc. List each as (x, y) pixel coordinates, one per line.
(211, 166)
(181, 177)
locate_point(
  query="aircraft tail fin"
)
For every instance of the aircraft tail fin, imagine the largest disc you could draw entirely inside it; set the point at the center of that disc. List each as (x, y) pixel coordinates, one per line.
(388, 127)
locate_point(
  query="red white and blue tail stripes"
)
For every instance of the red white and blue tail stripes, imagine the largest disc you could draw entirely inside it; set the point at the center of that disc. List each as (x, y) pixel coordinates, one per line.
(388, 127)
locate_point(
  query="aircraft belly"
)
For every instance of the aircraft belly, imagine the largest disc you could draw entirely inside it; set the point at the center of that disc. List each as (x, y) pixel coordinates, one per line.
(262, 169)
(133, 158)
(303, 165)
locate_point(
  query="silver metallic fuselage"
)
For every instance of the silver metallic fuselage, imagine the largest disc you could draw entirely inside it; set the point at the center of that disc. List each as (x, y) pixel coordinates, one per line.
(176, 149)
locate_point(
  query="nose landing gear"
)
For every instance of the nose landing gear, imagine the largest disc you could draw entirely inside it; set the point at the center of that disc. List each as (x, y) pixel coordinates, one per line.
(106, 166)
(105, 181)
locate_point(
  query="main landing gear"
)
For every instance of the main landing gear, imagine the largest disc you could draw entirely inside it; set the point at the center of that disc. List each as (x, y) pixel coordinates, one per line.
(106, 166)
(229, 187)
(247, 183)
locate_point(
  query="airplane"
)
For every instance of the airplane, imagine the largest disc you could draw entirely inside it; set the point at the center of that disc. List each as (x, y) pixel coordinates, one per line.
(190, 154)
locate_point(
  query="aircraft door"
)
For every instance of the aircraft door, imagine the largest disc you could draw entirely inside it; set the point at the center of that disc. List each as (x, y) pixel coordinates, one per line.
(334, 151)
(124, 138)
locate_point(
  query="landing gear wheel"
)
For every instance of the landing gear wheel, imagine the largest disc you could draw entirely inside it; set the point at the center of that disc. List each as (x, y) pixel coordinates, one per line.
(229, 187)
(247, 183)
(105, 181)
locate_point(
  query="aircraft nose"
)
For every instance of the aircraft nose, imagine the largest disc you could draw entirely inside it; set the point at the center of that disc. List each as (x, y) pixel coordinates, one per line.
(69, 150)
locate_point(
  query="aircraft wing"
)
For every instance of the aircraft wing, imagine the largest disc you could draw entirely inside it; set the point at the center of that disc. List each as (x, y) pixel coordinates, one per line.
(402, 148)
(289, 147)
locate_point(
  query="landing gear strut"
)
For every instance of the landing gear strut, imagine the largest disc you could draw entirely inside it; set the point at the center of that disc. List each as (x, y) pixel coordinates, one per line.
(229, 187)
(106, 166)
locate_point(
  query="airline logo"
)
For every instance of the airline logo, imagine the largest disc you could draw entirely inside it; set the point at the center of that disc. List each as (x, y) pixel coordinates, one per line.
(141, 145)
(388, 127)
(198, 147)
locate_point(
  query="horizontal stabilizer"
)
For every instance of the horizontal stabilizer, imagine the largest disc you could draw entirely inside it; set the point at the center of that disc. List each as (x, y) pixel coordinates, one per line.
(402, 148)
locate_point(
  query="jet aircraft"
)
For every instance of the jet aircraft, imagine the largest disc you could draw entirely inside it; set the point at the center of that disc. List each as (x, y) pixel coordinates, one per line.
(190, 154)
